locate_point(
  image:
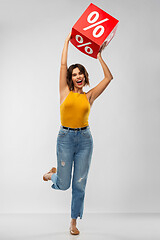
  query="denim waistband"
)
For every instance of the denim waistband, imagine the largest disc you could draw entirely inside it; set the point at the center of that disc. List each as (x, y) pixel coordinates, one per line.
(75, 129)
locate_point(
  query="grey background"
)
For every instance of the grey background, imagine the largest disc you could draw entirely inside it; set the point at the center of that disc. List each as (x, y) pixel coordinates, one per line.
(124, 120)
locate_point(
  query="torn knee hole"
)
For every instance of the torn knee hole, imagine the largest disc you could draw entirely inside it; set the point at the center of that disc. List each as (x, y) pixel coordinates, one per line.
(80, 180)
(63, 163)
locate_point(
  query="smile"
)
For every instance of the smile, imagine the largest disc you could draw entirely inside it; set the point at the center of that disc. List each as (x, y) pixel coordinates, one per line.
(79, 82)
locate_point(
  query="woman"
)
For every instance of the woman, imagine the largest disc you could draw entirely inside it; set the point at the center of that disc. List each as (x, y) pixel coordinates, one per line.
(74, 141)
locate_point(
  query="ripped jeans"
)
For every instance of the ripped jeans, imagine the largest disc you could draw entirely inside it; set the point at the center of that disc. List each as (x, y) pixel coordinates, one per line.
(74, 147)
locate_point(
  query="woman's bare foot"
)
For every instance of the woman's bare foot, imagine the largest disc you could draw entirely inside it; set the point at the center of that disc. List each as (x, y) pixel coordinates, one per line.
(47, 176)
(73, 229)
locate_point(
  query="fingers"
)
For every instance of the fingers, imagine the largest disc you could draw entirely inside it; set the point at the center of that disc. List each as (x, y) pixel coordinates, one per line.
(99, 55)
(68, 37)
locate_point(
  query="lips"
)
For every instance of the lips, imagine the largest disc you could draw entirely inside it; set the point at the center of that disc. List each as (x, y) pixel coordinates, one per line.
(79, 82)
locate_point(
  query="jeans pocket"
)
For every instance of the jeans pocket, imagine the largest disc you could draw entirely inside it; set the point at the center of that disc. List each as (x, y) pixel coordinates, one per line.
(62, 132)
(86, 133)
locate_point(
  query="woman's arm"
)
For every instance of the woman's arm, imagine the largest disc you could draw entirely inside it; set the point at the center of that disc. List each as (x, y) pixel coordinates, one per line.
(96, 91)
(63, 68)
(106, 71)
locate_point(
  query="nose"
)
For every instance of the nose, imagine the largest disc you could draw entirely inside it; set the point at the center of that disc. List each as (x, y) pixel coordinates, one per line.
(79, 76)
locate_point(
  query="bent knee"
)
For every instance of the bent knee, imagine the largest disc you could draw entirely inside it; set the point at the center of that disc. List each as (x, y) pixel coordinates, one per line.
(64, 187)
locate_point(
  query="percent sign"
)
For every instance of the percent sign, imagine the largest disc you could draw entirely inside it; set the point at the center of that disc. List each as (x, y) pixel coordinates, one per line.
(100, 27)
(87, 49)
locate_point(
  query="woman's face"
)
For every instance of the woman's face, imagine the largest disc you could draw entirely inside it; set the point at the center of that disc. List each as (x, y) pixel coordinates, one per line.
(78, 76)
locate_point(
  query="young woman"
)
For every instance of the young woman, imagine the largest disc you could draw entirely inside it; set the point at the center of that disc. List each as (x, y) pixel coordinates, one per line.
(74, 141)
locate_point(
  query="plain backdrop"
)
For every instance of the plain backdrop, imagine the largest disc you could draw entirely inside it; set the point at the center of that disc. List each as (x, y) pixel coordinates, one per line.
(124, 120)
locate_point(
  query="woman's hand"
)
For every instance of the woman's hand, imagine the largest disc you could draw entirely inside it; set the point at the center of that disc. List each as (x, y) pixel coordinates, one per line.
(99, 55)
(68, 37)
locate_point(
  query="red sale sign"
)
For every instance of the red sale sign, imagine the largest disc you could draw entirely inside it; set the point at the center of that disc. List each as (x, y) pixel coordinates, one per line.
(93, 30)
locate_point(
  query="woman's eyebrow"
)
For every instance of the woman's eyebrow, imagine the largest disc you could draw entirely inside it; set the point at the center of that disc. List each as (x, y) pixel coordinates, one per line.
(76, 73)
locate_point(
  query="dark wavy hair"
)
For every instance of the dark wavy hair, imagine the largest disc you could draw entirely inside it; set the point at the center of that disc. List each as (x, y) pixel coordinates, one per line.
(69, 75)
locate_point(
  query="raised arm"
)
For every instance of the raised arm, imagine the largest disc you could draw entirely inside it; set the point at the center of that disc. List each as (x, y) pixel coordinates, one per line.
(63, 68)
(96, 91)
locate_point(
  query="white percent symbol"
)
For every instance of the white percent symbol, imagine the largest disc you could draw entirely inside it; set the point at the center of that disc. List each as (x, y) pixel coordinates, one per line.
(100, 27)
(87, 49)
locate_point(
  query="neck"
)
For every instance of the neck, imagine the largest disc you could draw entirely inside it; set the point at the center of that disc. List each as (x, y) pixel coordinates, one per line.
(75, 90)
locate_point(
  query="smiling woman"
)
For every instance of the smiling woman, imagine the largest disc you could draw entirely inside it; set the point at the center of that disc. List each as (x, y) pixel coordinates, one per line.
(75, 73)
(74, 140)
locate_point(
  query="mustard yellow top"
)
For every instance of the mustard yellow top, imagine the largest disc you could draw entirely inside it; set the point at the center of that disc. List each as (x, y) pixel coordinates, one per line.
(74, 111)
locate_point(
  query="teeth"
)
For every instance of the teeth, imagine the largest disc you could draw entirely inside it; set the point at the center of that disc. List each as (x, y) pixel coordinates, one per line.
(79, 81)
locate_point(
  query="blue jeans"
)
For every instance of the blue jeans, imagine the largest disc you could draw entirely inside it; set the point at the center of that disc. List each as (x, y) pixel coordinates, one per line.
(73, 148)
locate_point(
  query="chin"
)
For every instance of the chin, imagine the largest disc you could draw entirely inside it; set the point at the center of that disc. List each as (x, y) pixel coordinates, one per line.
(79, 86)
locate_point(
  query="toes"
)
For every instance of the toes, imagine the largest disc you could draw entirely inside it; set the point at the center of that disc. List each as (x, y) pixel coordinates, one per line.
(74, 231)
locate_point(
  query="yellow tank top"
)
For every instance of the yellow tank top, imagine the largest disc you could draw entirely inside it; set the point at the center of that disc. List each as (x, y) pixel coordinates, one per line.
(74, 111)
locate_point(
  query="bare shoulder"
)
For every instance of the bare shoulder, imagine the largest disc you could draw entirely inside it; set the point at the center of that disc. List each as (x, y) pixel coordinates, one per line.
(64, 94)
(89, 96)
(89, 93)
